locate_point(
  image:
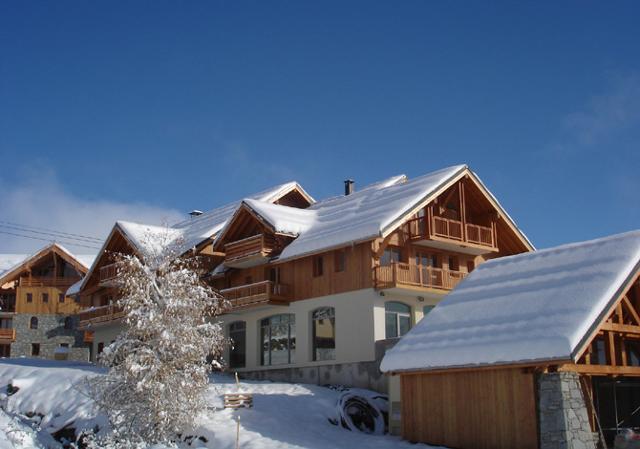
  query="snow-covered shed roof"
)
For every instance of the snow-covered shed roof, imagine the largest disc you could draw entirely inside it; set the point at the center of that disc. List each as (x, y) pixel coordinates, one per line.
(527, 308)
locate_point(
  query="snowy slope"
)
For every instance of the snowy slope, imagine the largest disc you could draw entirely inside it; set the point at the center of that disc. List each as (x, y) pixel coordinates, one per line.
(529, 307)
(284, 416)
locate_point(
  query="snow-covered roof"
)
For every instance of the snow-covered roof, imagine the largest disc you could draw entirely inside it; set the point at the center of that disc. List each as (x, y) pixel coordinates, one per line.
(366, 213)
(197, 229)
(283, 219)
(530, 307)
(11, 262)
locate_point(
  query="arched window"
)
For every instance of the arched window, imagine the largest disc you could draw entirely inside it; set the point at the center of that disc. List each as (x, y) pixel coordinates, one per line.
(278, 338)
(34, 322)
(238, 351)
(324, 333)
(68, 323)
(397, 319)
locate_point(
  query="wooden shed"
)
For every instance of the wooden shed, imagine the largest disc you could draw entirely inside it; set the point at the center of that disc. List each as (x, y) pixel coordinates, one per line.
(538, 350)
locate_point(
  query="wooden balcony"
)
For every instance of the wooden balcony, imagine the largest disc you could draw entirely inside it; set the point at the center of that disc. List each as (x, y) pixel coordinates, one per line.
(108, 274)
(256, 294)
(401, 275)
(99, 315)
(48, 281)
(248, 252)
(446, 233)
(7, 335)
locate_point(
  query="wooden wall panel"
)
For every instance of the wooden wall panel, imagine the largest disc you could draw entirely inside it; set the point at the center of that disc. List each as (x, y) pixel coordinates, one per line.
(487, 409)
(37, 306)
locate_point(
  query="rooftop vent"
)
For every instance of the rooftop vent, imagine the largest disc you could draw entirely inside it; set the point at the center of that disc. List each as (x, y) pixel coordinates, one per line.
(349, 185)
(195, 213)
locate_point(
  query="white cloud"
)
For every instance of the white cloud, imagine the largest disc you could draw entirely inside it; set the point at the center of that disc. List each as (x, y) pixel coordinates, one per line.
(41, 201)
(612, 111)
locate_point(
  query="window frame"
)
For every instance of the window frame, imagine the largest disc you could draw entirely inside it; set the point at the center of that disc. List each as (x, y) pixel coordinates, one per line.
(291, 337)
(397, 315)
(35, 349)
(318, 266)
(231, 332)
(29, 297)
(340, 261)
(33, 322)
(314, 337)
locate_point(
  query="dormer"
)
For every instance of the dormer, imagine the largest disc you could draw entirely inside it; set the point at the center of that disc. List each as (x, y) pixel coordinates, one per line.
(258, 231)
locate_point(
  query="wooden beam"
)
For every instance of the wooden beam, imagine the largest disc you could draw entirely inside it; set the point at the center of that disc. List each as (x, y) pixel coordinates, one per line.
(600, 370)
(612, 348)
(631, 309)
(621, 328)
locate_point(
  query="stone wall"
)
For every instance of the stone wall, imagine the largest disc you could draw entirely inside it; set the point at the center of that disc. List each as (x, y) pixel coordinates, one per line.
(562, 411)
(49, 334)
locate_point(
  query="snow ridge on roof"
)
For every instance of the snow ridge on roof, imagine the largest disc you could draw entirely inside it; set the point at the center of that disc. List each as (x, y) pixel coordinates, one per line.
(284, 219)
(366, 213)
(535, 306)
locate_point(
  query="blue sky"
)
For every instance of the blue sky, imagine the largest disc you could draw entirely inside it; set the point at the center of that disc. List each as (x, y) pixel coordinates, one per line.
(146, 110)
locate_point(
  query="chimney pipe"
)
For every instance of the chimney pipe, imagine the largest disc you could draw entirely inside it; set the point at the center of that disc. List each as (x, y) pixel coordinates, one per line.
(348, 186)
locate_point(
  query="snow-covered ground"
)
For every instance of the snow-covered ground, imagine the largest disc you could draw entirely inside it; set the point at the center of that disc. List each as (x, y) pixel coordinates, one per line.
(284, 416)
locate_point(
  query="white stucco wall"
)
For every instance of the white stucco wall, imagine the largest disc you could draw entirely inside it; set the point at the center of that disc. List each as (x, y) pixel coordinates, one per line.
(104, 334)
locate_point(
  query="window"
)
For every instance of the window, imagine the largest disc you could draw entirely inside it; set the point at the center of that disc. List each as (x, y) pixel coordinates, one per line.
(76, 298)
(5, 350)
(45, 297)
(29, 297)
(61, 297)
(426, 310)
(238, 335)
(274, 275)
(35, 349)
(397, 319)
(318, 266)
(100, 347)
(427, 260)
(324, 333)
(391, 255)
(278, 337)
(34, 323)
(454, 265)
(340, 259)
(68, 323)
(64, 345)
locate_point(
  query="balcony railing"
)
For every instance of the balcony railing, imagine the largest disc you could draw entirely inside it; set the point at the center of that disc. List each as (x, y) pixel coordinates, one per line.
(258, 293)
(447, 228)
(256, 245)
(7, 334)
(108, 273)
(48, 281)
(404, 274)
(99, 315)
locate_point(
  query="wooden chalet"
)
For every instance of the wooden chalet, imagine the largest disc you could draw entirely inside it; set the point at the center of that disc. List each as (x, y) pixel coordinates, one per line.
(538, 350)
(30, 293)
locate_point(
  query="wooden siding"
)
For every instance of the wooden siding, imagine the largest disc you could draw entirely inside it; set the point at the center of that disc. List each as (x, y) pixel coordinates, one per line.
(37, 306)
(488, 409)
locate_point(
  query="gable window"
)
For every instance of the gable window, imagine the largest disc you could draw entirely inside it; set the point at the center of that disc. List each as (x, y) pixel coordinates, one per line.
(61, 298)
(33, 324)
(324, 333)
(35, 349)
(391, 255)
(278, 338)
(340, 259)
(29, 297)
(318, 266)
(238, 335)
(45, 297)
(397, 319)
(68, 323)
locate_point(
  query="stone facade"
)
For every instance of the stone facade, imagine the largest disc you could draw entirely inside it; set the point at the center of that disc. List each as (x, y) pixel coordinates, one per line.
(50, 334)
(562, 411)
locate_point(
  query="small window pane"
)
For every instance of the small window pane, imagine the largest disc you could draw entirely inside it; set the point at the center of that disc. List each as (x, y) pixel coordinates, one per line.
(405, 324)
(391, 325)
(324, 334)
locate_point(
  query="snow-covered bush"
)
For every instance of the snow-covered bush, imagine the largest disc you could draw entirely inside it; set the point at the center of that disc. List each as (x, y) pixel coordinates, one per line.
(159, 365)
